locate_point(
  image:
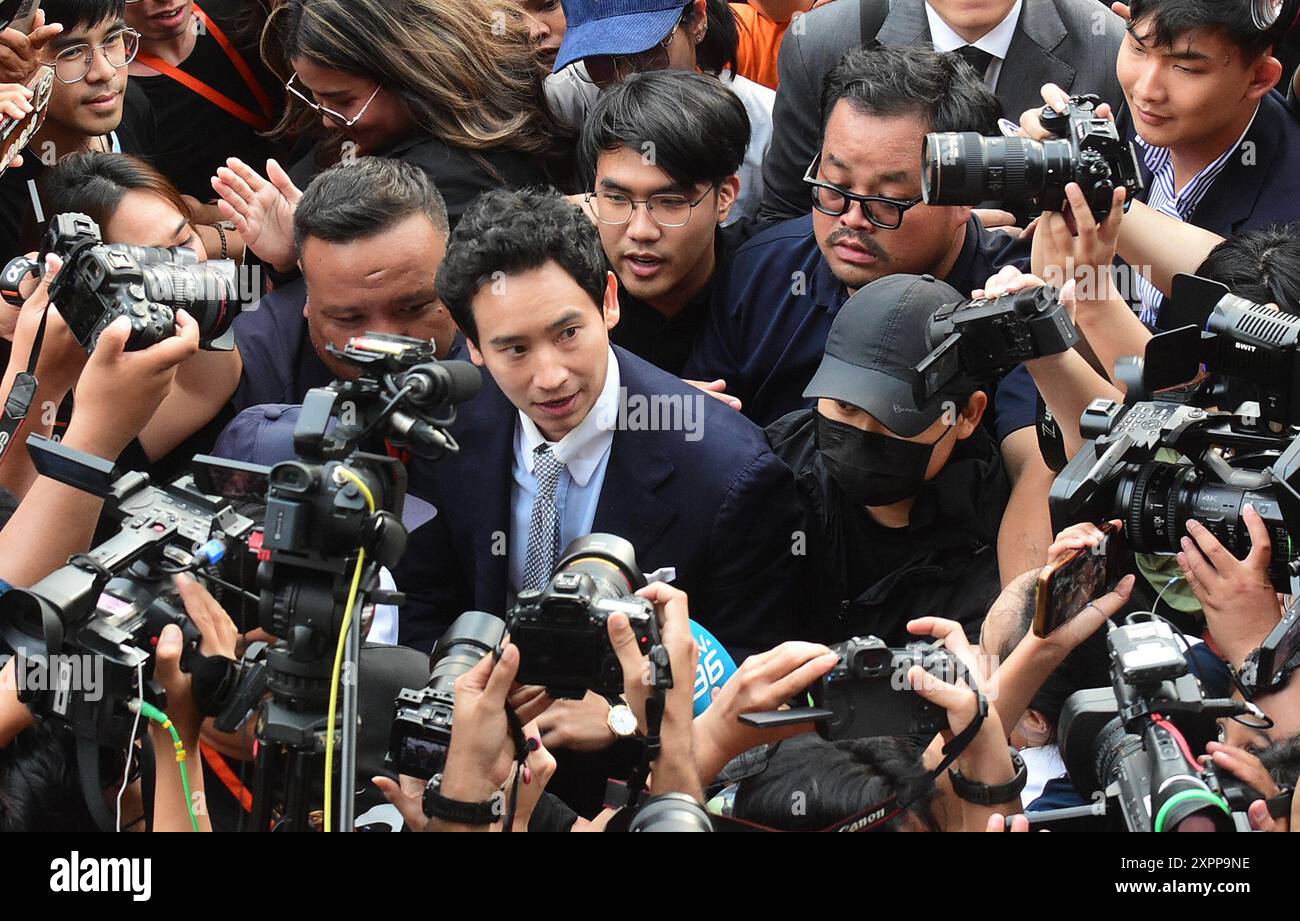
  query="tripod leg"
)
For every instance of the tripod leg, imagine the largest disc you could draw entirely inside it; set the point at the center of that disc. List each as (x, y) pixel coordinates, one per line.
(266, 766)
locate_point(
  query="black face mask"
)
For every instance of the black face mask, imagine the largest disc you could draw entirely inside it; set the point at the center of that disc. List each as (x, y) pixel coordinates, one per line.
(870, 468)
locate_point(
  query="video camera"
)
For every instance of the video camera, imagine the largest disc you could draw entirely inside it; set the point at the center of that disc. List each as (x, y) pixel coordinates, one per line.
(1247, 456)
(866, 694)
(1137, 740)
(965, 168)
(979, 338)
(561, 631)
(100, 282)
(114, 601)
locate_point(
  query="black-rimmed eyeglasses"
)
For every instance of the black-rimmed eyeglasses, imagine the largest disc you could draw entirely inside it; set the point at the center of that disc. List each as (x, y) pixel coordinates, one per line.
(885, 213)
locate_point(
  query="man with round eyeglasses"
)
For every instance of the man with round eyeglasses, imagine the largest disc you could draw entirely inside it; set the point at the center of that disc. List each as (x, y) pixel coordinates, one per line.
(660, 218)
(607, 41)
(93, 105)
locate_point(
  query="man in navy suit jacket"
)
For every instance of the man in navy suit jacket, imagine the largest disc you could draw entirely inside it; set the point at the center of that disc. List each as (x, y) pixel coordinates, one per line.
(688, 481)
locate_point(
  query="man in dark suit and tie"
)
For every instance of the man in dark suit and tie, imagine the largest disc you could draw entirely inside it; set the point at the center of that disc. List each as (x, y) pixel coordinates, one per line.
(1017, 45)
(571, 436)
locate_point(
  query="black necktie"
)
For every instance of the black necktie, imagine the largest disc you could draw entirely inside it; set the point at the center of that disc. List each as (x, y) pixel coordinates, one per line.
(977, 58)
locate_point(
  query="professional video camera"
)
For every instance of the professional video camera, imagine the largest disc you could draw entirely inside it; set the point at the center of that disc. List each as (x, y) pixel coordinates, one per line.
(1138, 740)
(964, 168)
(978, 338)
(421, 731)
(110, 605)
(866, 694)
(1247, 456)
(333, 518)
(560, 629)
(100, 282)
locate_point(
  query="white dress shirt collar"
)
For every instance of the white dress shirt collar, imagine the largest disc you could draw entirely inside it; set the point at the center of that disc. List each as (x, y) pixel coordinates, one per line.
(581, 450)
(996, 41)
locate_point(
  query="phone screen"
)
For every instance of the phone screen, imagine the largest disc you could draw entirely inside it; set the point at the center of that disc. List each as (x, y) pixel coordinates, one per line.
(1066, 589)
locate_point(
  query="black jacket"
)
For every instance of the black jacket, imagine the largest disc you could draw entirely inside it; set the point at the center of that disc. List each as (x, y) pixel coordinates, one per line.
(950, 546)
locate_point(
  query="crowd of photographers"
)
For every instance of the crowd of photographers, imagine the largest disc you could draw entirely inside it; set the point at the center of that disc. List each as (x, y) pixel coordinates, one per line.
(650, 415)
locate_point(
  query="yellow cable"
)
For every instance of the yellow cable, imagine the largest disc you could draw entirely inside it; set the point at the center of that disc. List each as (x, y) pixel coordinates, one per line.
(338, 654)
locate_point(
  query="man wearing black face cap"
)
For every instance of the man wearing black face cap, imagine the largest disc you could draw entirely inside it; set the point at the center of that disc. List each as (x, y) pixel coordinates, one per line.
(904, 499)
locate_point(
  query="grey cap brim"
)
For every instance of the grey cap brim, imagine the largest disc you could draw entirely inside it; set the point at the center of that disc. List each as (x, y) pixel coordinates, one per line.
(888, 399)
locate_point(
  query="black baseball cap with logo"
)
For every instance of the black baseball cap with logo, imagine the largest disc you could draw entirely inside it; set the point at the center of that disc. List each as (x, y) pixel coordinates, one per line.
(878, 338)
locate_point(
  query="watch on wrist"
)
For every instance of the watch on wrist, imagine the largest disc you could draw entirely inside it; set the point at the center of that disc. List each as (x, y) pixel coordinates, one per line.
(437, 806)
(621, 721)
(982, 794)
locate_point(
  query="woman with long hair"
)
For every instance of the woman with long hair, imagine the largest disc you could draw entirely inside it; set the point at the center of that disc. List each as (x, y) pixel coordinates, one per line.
(451, 86)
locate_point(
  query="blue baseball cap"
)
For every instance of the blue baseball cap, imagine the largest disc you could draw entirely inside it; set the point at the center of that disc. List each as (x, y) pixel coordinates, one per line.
(615, 27)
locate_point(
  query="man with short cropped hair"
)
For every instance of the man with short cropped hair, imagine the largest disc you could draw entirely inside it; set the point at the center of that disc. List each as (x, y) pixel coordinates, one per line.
(664, 149)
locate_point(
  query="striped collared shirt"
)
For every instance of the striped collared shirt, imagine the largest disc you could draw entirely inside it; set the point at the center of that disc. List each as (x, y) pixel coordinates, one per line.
(1178, 204)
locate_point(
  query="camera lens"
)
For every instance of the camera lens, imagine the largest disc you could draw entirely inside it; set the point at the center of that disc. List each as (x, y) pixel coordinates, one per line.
(1271, 15)
(965, 168)
(608, 560)
(470, 637)
(207, 291)
(1156, 501)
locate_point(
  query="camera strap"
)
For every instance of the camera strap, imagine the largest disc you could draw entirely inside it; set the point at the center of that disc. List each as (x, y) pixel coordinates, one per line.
(19, 401)
(219, 99)
(654, 718)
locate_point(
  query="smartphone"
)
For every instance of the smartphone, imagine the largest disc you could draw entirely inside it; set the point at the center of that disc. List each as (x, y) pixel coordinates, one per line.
(16, 133)
(1066, 587)
(18, 14)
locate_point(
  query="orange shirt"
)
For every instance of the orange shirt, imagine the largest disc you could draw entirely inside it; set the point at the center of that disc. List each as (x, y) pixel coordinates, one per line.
(760, 42)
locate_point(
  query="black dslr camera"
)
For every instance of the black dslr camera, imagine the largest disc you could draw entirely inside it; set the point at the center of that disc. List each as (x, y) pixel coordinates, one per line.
(1250, 455)
(560, 629)
(867, 695)
(976, 339)
(964, 168)
(1134, 742)
(100, 282)
(421, 732)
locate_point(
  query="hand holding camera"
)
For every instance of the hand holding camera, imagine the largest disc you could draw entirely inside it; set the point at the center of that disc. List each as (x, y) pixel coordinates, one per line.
(764, 681)
(103, 423)
(1237, 596)
(482, 752)
(218, 634)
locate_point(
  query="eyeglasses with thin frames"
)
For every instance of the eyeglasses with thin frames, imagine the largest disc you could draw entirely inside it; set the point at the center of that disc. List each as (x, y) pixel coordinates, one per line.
(885, 213)
(666, 210)
(72, 64)
(339, 118)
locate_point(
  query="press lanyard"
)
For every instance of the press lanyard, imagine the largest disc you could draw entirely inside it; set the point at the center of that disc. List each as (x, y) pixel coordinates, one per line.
(216, 97)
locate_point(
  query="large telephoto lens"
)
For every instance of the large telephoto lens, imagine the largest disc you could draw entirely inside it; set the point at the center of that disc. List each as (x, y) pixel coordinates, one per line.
(1157, 500)
(965, 168)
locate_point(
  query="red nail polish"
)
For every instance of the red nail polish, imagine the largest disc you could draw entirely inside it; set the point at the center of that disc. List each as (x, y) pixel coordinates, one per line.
(528, 774)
